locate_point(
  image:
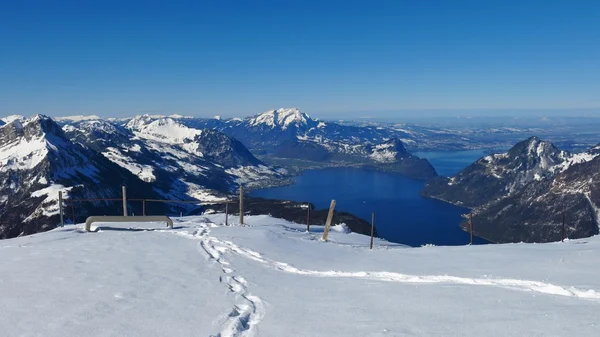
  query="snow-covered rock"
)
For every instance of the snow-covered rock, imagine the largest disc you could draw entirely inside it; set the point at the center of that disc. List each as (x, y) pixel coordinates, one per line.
(281, 118)
(522, 195)
(37, 160)
(182, 162)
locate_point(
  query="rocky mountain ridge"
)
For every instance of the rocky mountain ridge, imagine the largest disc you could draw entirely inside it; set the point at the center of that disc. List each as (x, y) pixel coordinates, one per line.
(523, 194)
(37, 160)
(292, 138)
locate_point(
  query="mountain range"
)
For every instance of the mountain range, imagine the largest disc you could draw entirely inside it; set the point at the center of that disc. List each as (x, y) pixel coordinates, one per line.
(292, 138)
(176, 158)
(524, 193)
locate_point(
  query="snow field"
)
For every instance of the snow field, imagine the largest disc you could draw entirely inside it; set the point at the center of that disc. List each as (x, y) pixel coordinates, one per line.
(272, 278)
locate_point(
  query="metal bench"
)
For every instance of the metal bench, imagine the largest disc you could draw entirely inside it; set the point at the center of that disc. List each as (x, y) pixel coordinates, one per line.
(153, 218)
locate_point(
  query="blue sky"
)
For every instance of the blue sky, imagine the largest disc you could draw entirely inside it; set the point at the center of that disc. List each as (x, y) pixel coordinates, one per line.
(329, 58)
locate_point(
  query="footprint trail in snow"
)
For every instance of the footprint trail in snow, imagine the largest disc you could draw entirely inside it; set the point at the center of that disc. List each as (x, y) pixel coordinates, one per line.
(211, 243)
(249, 310)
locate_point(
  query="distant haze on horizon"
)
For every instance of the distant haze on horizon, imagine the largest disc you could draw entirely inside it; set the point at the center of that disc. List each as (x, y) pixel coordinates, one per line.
(333, 60)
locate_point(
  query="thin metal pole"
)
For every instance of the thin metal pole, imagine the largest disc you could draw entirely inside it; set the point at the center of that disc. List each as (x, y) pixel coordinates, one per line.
(226, 214)
(241, 205)
(60, 207)
(471, 226)
(124, 201)
(308, 219)
(372, 228)
(144, 207)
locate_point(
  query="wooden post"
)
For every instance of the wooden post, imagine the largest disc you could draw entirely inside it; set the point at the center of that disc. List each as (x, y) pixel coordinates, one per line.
(471, 226)
(226, 214)
(73, 211)
(124, 201)
(328, 223)
(241, 205)
(144, 207)
(308, 219)
(372, 228)
(60, 208)
(563, 226)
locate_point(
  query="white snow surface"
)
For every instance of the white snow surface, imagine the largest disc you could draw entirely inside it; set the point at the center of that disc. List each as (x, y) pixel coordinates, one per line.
(281, 117)
(77, 118)
(272, 278)
(11, 118)
(384, 153)
(144, 172)
(49, 206)
(165, 130)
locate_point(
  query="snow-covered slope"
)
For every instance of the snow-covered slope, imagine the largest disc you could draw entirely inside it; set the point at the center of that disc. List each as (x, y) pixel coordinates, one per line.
(37, 160)
(162, 129)
(284, 134)
(281, 118)
(272, 278)
(8, 119)
(523, 194)
(181, 162)
(498, 175)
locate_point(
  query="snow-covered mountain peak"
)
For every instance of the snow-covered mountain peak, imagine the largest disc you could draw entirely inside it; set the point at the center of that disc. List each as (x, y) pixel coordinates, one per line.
(281, 118)
(8, 119)
(77, 118)
(389, 151)
(164, 129)
(534, 147)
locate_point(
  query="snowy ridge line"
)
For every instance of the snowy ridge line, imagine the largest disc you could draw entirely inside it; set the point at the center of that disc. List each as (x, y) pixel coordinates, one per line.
(249, 311)
(588, 196)
(521, 285)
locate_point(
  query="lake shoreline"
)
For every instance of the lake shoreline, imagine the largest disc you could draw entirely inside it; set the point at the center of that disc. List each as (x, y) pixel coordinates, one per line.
(361, 191)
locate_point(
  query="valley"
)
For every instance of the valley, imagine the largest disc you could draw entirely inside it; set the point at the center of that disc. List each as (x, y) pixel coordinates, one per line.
(186, 158)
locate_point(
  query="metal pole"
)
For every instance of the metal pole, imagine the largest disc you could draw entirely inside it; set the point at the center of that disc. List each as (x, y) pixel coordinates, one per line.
(241, 205)
(372, 228)
(144, 207)
(471, 226)
(308, 219)
(124, 201)
(226, 214)
(60, 207)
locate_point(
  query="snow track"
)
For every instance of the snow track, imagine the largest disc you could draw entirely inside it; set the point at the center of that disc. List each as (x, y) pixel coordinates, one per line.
(249, 310)
(524, 285)
(212, 245)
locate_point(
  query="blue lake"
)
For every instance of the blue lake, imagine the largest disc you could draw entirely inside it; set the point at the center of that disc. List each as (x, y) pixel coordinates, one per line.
(401, 214)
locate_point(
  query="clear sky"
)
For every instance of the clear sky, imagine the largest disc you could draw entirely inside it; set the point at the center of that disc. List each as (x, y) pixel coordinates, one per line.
(345, 58)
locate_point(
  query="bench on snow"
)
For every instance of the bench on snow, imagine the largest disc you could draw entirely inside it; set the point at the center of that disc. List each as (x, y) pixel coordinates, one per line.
(151, 218)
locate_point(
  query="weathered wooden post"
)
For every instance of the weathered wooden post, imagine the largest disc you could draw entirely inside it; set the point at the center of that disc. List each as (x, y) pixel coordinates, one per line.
(144, 207)
(329, 218)
(226, 214)
(60, 208)
(124, 201)
(308, 219)
(563, 226)
(471, 226)
(372, 228)
(241, 205)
